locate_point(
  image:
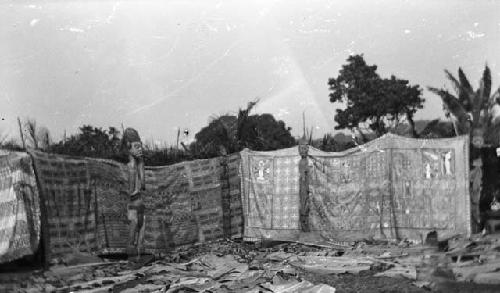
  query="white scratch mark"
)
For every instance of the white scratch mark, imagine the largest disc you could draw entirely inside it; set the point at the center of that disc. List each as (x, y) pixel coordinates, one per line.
(34, 21)
(473, 35)
(318, 30)
(186, 84)
(282, 112)
(407, 31)
(324, 63)
(72, 29)
(264, 12)
(306, 103)
(349, 51)
(169, 52)
(211, 28)
(113, 12)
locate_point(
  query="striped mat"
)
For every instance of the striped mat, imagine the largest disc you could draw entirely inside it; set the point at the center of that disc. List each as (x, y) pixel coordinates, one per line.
(19, 207)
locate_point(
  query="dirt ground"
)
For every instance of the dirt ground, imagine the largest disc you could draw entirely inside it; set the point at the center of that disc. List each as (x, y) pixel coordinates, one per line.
(364, 282)
(462, 265)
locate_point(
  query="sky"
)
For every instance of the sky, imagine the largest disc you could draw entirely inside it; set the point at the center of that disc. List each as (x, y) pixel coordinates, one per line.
(162, 65)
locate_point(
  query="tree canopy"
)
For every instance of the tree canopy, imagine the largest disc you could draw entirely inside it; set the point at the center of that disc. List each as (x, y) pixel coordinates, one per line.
(230, 133)
(92, 142)
(371, 101)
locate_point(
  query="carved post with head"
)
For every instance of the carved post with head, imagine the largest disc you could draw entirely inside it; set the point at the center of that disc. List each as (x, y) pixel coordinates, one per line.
(304, 186)
(137, 184)
(476, 175)
(133, 143)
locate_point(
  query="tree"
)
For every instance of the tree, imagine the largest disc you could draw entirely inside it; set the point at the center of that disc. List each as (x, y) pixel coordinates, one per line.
(472, 110)
(336, 143)
(436, 129)
(37, 137)
(371, 99)
(92, 142)
(228, 133)
(96, 142)
(9, 143)
(217, 138)
(32, 131)
(43, 138)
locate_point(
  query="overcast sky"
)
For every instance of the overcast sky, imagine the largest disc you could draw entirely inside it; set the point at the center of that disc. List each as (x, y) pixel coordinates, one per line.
(160, 65)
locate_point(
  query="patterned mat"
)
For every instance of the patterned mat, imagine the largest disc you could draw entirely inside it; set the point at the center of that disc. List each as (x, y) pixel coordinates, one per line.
(392, 187)
(185, 203)
(19, 207)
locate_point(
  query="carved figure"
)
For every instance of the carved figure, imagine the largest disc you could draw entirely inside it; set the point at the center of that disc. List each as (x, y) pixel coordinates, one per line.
(133, 143)
(304, 192)
(262, 169)
(137, 184)
(428, 171)
(447, 163)
(476, 175)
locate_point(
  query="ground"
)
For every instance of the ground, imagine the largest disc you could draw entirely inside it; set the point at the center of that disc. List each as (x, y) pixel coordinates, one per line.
(457, 265)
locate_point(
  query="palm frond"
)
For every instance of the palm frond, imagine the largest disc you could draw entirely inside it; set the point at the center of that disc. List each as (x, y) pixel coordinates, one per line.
(465, 94)
(243, 122)
(494, 98)
(486, 80)
(429, 127)
(454, 81)
(477, 105)
(32, 131)
(493, 117)
(451, 102)
(464, 82)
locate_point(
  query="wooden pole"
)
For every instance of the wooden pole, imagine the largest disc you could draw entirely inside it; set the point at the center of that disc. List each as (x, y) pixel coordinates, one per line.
(178, 135)
(21, 132)
(44, 222)
(304, 124)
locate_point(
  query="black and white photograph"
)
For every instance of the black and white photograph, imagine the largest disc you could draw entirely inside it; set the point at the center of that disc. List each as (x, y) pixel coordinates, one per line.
(274, 146)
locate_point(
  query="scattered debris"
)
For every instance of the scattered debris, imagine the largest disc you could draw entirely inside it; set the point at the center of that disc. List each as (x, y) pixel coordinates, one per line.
(332, 265)
(400, 271)
(232, 266)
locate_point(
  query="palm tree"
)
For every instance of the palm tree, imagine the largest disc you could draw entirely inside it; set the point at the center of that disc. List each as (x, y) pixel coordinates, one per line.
(472, 111)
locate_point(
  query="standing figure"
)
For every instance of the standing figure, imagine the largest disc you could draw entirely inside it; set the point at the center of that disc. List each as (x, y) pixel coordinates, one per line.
(137, 184)
(133, 143)
(447, 163)
(304, 187)
(427, 171)
(476, 175)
